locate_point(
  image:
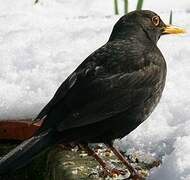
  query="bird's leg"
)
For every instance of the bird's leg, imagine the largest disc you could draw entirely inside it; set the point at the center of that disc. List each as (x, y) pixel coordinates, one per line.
(133, 173)
(101, 162)
(109, 171)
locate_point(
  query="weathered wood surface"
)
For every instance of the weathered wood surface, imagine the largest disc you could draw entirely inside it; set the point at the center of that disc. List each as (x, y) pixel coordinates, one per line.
(17, 129)
(69, 164)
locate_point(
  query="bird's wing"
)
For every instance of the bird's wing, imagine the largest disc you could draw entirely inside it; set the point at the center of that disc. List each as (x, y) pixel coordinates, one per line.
(102, 86)
(87, 66)
(105, 97)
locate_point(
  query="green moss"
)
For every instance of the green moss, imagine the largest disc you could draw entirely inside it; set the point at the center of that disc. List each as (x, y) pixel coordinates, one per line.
(63, 164)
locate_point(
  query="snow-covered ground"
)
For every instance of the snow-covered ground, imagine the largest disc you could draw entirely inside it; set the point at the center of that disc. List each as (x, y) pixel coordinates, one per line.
(40, 45)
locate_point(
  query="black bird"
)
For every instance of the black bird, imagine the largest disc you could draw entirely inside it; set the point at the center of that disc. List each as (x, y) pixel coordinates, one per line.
(109, 95)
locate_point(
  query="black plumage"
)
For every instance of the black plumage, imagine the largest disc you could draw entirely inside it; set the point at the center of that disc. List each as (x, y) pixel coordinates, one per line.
(119, 80)
(111, 93)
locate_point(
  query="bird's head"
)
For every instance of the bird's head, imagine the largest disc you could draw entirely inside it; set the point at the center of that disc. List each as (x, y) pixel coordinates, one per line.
(141, 23)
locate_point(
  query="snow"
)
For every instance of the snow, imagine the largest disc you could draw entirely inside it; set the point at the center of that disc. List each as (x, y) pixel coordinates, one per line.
(40, 45)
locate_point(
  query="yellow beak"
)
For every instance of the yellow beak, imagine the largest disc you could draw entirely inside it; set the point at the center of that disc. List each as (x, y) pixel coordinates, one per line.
(169, 29)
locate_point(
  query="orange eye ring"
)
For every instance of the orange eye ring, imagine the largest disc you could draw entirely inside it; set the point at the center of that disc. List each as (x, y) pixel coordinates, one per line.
(156, 20)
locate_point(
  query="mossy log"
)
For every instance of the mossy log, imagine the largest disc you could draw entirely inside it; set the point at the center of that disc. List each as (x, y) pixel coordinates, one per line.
(68, 164)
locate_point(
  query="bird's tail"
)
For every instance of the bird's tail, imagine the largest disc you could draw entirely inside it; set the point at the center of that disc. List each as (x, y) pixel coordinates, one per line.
(25, 152)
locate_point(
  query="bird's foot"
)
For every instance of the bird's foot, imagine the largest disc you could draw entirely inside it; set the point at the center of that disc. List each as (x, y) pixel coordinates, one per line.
(134, 175)
(116, 172)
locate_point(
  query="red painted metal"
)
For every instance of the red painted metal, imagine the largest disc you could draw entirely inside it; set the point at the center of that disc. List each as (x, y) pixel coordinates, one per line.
(17, 129)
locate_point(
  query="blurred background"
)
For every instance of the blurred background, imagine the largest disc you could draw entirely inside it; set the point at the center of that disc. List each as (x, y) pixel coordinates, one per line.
(98, 7)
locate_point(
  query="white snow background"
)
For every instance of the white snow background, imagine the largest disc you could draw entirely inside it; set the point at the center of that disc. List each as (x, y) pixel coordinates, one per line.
(40, 45)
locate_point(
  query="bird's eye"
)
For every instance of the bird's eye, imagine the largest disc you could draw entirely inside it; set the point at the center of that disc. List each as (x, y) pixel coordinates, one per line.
(156, 20)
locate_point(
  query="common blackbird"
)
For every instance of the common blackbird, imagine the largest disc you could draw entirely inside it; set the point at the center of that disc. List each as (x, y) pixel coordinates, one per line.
(108, 95)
